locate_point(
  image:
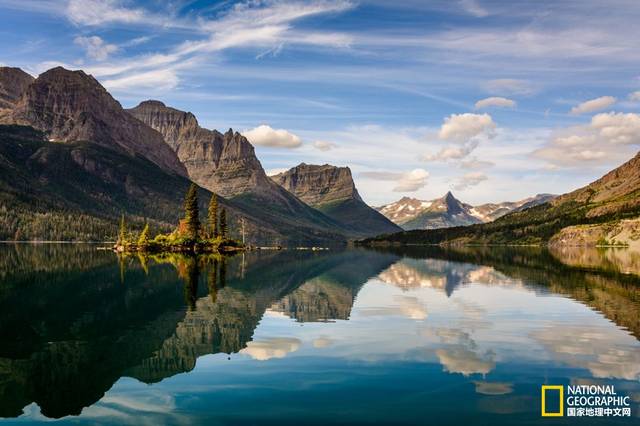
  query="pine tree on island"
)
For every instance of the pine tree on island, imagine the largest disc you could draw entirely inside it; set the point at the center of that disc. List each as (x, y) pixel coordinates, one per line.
(122, 234)
(190, 236)
(223, 223)
(212, 216)
(143, 240)
(191, 213)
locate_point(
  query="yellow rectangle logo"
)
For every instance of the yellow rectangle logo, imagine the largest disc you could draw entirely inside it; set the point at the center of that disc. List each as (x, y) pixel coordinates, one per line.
(543, 410)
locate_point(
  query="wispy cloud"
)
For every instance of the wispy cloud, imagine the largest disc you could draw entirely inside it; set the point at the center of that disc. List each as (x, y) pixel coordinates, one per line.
(593, 105)
(469, 180)
(95, 47)
(324, 145)
(607, 138)
(495, 101)
(265, 25)
(404, 182)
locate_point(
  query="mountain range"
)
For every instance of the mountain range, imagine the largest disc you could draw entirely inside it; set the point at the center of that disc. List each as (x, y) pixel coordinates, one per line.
(331, 190)
(73, 160)
(448, 211)
(602, 213)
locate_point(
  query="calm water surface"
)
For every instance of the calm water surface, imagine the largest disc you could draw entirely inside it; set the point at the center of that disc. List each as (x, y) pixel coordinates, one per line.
(296, 338)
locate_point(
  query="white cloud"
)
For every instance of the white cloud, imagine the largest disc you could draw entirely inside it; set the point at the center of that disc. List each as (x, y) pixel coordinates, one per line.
(412, 181)
(476, 164)
(404, 182)
(469, 179)
(617, 128)
(463, 127)
(509, 86)
(473, 7)
(273, 172)
(324, 145)
(495, 101)
(259, 25)
(97, 12)
(264, 135)
(96, 47)
(603, 139)
(137, 41)
(593, 105)
(274, 347)
(452, 152)
(635, 96)
(161, 79)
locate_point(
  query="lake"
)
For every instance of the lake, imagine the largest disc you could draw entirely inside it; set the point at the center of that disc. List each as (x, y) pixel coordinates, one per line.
(407, 336)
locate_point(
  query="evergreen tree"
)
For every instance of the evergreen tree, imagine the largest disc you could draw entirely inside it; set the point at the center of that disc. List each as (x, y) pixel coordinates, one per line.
(122, 235)
(223, 223)
(213, 216)
(143, 241)
(191, 213)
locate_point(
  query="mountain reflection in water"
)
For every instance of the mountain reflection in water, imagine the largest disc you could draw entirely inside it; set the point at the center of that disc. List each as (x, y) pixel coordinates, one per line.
(74, 321)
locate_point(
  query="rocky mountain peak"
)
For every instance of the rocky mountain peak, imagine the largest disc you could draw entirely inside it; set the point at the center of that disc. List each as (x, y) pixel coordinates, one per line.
(13, 83)
(152, 103)
(452, 204)
(71, 106)
(223, 163)
(319, 184)
(448, 211)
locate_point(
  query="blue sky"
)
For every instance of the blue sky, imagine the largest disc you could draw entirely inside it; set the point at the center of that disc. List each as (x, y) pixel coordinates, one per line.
(493, 100)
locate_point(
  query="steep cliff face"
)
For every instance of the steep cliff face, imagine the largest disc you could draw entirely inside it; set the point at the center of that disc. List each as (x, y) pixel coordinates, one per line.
(227, 165)
(223, 163)
(13, 83)
(70, 106)
(331, 190)
(318, 185)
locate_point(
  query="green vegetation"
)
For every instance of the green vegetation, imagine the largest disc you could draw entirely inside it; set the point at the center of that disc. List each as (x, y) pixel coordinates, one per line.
(223, 224)
(78, 191)
(212, 216)
(534, 226)
(189, 236)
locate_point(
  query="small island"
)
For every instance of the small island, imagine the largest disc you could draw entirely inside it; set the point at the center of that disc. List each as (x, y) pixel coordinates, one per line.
(190, 236)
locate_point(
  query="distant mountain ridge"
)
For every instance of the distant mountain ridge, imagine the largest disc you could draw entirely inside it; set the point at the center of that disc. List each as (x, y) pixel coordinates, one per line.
(448, 211)
(606, 208)
(331, 190)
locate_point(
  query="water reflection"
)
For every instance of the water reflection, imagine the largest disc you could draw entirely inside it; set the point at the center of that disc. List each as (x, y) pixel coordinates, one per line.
(74, 321)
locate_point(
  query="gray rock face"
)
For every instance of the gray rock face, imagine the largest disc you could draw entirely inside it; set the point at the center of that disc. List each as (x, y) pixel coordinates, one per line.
(331, 190)
(227, 165)
(317, 185)
(72, 106)
(223, 163)
(13, 83)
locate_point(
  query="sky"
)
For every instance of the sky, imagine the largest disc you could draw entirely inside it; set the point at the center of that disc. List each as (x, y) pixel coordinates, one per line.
(493, 100)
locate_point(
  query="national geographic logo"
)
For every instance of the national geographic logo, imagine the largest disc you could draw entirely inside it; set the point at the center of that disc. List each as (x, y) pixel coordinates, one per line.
(583, 401)
(556, 394)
